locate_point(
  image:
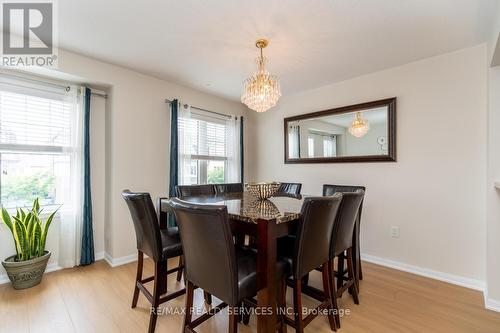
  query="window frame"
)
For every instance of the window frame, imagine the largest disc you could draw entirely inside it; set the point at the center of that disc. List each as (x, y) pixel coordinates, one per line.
(38, 90)
(201, 159)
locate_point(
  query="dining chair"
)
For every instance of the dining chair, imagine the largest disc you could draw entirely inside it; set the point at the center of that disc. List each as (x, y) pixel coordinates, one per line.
(215, 264)
(342, 247)
(332, 189)
(289, 190)
(193, 190)
(312, 249)
(228, 188)
(159, 245)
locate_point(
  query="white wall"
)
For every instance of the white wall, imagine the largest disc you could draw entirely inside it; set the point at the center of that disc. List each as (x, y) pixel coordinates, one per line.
(98, 169)
(493, 194)
(492, 296)
(435, 192)
(367, 144)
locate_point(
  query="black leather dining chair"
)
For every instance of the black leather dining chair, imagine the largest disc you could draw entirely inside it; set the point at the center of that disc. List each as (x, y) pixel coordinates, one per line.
(214, 263)
(332, 189)
(312, 249)
(228, 188)
(159, 245)
(193, 190)
(289, 190)
(342, 246)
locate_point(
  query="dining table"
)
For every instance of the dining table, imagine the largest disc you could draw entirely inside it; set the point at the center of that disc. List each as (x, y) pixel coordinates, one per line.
(265, 221)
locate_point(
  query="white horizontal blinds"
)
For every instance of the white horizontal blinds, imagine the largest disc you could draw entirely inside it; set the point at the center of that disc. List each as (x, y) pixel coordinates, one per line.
(34, 121)
(207, 139)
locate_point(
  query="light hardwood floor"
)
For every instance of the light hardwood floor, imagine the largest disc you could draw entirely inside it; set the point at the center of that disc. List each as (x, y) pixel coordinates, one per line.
(97, 298)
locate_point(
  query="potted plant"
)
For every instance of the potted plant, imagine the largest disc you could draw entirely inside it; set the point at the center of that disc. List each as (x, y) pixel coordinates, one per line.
(25, 269)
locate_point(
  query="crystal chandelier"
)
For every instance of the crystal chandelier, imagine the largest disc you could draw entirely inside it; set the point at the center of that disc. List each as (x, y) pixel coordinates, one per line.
(261, 91)
(359, 126)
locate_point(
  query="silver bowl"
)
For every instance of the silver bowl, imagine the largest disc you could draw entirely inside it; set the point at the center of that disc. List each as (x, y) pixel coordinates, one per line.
(263, 190)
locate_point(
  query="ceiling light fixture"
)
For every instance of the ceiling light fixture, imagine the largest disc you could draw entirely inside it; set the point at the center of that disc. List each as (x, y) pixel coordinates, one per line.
(261, 91)
(360, 126)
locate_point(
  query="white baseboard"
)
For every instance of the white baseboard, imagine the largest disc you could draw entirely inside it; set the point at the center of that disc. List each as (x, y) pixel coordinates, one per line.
(99, 255)
(450, 278)
(50, 268)
(113, 262)
(490, 303)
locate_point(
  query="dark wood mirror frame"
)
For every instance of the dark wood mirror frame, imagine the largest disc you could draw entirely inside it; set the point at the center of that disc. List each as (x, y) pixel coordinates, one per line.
(391, 135)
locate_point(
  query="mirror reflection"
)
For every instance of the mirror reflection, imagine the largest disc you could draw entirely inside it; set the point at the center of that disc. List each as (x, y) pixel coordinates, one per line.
(363, 132)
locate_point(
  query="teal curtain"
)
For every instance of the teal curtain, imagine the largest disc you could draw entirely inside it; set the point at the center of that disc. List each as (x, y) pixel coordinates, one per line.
(174, 155)
(242, 153)
(87, 254)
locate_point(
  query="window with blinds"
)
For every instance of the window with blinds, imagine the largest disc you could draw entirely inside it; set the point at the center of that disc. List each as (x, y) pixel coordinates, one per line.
(203, 143)
(34, 121)
(206, 138)
(35, 132)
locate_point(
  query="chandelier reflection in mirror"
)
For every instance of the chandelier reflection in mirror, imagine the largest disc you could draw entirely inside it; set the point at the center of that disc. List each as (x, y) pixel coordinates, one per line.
(360, 126)
(261, 91)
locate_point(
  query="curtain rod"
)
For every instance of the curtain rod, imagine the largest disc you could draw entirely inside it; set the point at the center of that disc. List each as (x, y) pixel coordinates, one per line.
(217, 113)
(49, 82)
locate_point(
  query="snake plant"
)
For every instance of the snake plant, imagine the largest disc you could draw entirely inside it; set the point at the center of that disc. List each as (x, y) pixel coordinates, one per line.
(28, 230)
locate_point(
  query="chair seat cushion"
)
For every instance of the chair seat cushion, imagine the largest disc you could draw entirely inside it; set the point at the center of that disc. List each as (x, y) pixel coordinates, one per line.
(171, 243)
(247, 271)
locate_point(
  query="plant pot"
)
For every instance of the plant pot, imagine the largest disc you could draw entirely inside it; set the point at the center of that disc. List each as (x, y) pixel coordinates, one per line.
(26, 274)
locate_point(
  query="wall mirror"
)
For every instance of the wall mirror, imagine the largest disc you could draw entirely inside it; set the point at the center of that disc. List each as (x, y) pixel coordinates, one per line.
(357, 133)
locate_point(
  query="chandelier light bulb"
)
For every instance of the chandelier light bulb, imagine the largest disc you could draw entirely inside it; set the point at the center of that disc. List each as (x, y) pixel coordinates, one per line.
(261, 91)
(359, 126)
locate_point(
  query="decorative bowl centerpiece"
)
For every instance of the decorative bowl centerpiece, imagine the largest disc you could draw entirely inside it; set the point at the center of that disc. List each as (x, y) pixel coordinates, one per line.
(263, 191)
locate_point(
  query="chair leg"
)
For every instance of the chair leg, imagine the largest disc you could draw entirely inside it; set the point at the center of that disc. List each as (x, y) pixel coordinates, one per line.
(245, 316)
(233, 320)
(208, 297)
(282, 314)
(350, 270)
(333, 292)
(360, 270)
(340, 269)
(297, 306)
(325, 270)
(159, 281)
(305, 280)
(179, 272)
(138, 278)
(189, 305)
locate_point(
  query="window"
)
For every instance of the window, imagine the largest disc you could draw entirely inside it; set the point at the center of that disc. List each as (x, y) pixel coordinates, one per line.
(35, 137)
(310, 146)
(329, 146)
(206, 147)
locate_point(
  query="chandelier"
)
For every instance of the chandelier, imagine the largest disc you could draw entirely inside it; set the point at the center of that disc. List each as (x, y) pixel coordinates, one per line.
(359, 126)
(261, 91)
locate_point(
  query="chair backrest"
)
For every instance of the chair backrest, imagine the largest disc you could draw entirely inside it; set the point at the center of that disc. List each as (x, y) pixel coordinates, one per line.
(208, 247)
(332, 189)
(289, 189)
(346, 219)
(193, 190)
(314, 234)
(228, 188)
(147, 229)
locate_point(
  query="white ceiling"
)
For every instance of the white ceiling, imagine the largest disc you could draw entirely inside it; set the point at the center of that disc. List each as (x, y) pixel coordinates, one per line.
(209, 45)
